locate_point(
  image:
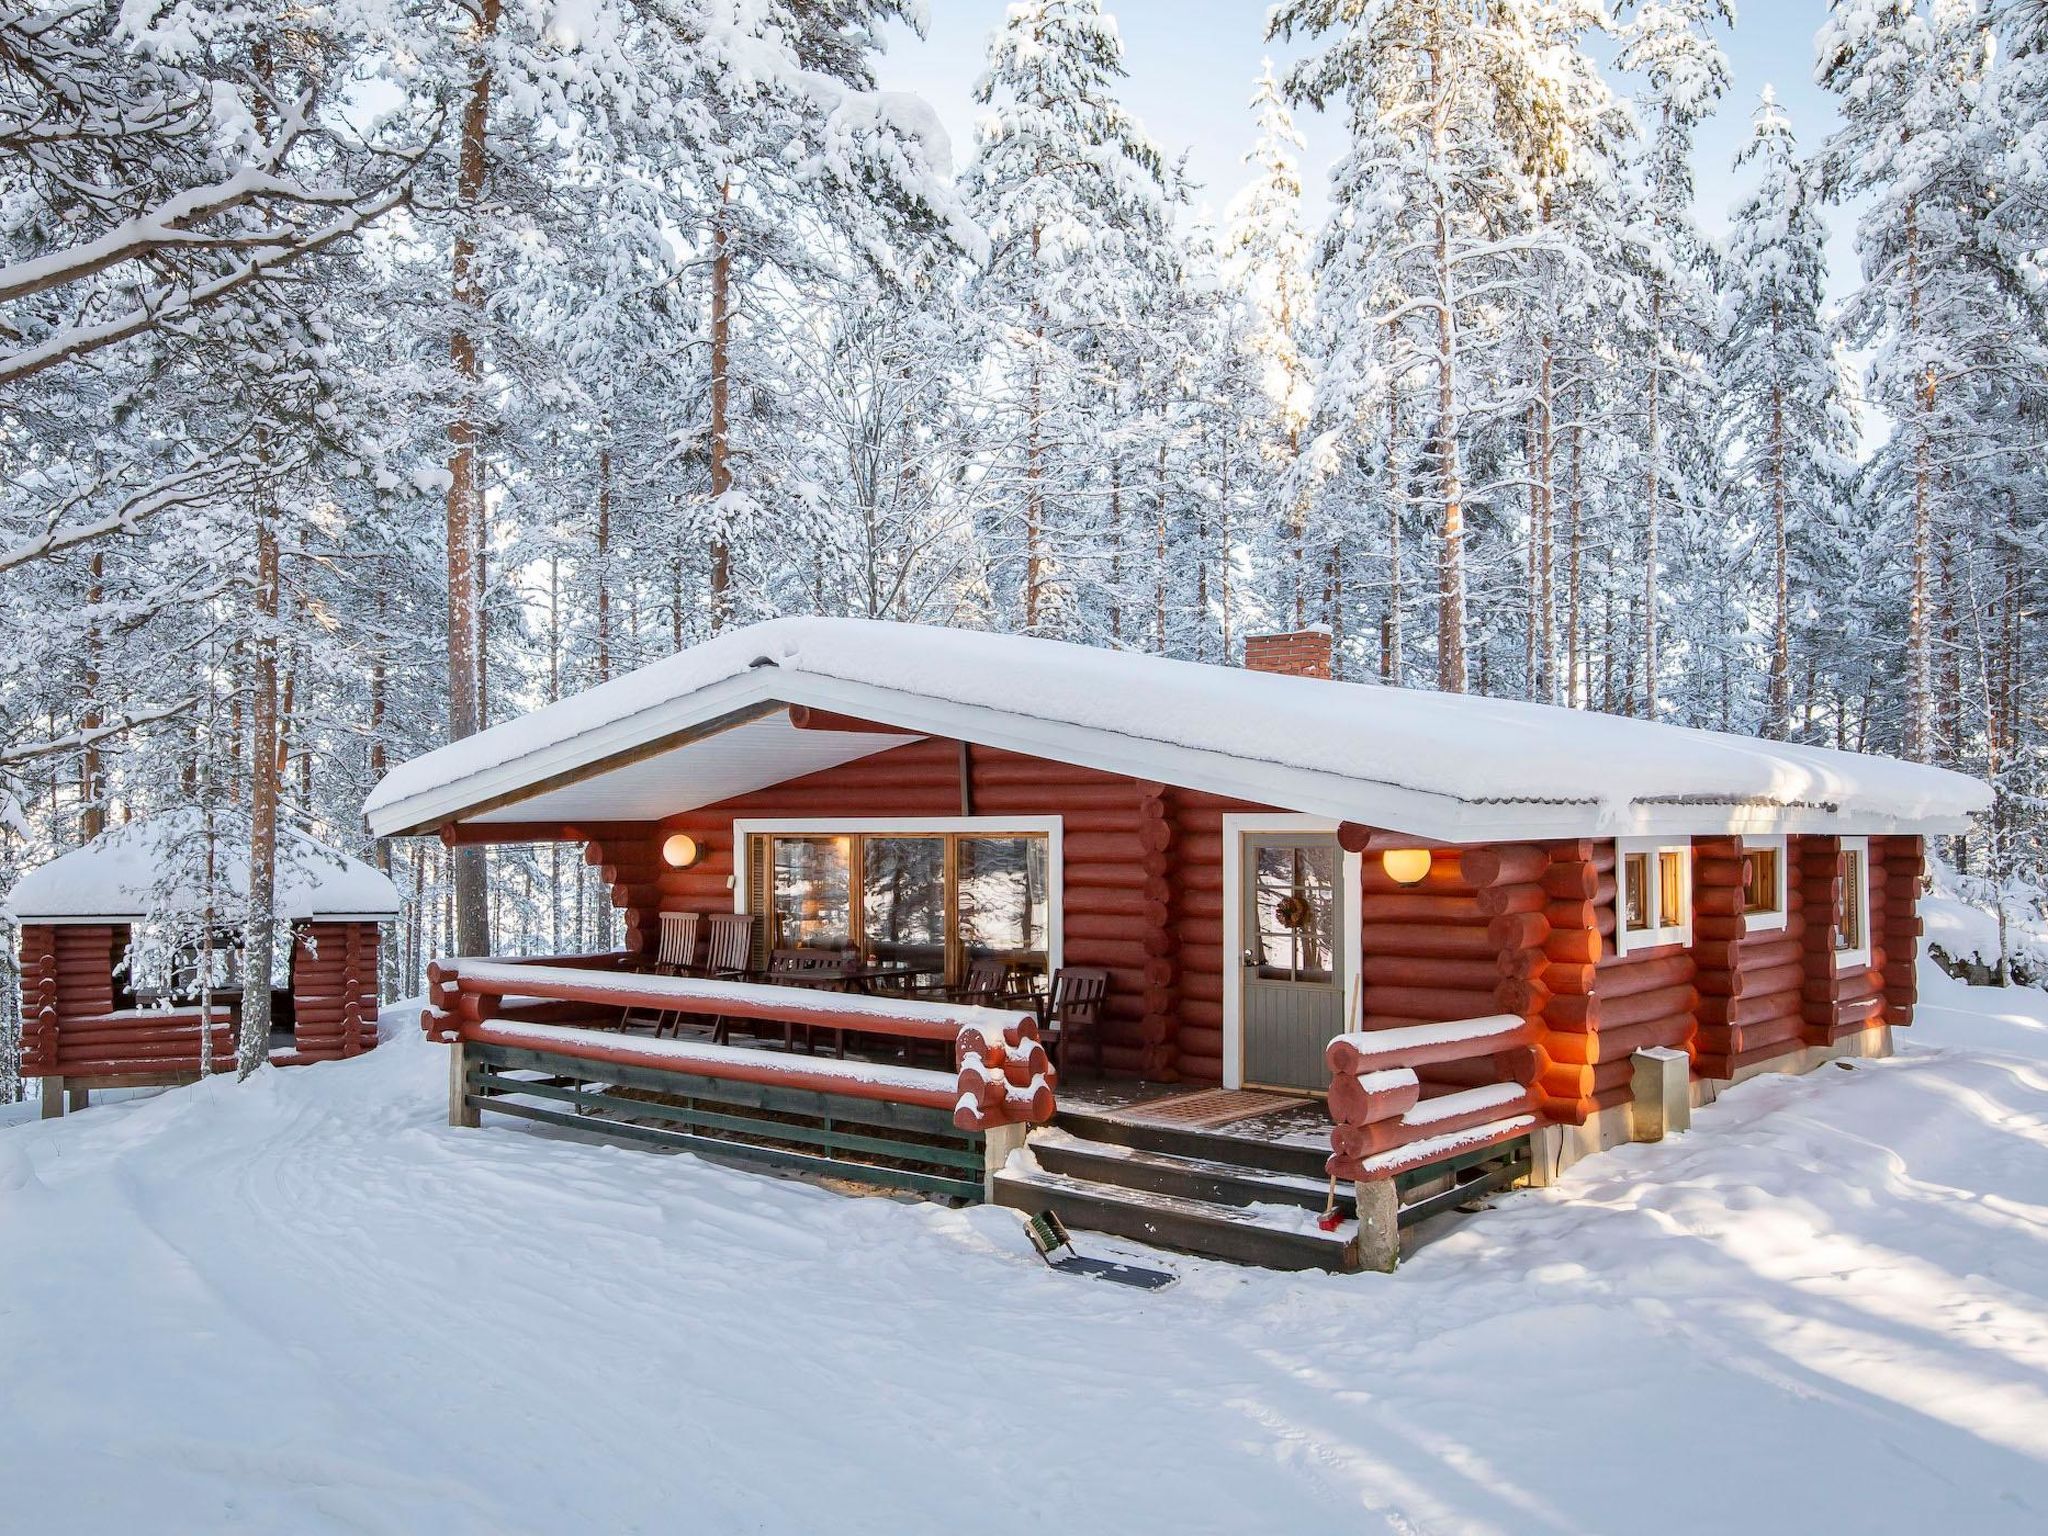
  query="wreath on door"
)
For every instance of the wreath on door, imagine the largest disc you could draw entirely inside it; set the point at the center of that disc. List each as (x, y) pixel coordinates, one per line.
(1293, 912)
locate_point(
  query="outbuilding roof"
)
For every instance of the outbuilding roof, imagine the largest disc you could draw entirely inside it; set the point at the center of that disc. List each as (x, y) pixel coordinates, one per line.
(712, 722)
(157, 867)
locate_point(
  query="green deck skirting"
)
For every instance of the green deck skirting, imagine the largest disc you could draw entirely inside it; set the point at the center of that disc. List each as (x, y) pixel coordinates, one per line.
(587, 1089)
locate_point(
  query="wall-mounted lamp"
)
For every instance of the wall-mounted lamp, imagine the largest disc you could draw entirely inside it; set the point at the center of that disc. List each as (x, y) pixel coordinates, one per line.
(680, 851)
(1406, 866)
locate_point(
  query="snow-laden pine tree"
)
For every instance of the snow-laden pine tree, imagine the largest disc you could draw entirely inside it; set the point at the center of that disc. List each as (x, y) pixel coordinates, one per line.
(1435, 223)
(1952, 324)
(1785, 432)
(1074, 199)
(1672, 45)
(1267, 256)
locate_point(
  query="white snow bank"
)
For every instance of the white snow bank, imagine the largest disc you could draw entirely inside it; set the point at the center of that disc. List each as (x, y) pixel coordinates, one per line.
(1470, 748)
(158, 868)
(222, 1303)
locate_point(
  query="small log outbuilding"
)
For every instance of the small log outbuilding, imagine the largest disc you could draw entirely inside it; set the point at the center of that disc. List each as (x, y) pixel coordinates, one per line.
(1455, 920)
(84, 1024)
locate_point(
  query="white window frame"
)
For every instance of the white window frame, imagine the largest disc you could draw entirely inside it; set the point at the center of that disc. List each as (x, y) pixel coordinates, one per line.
(1850, 959)
(1051, 828)
(1661, 931)
(1774, 921)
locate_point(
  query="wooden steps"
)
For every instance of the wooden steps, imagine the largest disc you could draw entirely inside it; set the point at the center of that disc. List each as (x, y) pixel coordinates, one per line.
(1282, 1238)
(1211, 1192)
(1186, 1141)
(1220, 1194)
(1192, 1178)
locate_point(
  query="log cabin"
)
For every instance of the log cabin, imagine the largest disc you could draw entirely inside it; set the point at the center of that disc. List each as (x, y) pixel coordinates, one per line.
(87, 1024)
(1412, 944)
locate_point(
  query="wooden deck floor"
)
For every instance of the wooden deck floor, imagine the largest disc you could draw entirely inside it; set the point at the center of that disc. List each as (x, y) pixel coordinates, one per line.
(1236, 1114)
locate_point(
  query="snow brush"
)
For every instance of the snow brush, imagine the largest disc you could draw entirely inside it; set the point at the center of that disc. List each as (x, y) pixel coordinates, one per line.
(1330, 1220)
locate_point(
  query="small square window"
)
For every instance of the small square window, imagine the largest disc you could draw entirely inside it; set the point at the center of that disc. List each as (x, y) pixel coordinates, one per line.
(1655, 897)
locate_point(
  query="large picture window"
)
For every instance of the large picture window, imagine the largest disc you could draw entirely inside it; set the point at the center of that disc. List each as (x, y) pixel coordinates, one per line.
(937, 900)
(1653, 897)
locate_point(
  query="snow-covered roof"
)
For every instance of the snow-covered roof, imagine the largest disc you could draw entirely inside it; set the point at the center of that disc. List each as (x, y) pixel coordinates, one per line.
(709, 723)
(157, 868)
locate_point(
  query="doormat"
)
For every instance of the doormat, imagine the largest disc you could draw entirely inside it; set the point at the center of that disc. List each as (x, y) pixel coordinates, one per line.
(1210, 1107)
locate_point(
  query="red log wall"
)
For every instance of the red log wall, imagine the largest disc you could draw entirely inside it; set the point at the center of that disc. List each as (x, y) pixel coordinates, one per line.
(334, 990)
(1516, 928)
(1142, 876)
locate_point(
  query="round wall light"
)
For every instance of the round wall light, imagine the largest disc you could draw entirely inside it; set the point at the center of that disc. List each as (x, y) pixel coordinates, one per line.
(680, 851)
(1405, 866)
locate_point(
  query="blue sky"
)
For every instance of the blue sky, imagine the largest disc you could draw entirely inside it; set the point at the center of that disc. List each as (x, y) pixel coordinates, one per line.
(1192, 62)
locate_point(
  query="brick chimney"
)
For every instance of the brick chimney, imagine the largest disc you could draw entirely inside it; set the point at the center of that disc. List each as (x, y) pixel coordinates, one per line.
(1298, 653)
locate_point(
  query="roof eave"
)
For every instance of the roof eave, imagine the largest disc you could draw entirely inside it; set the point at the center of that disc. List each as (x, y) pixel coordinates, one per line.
(1426, 815)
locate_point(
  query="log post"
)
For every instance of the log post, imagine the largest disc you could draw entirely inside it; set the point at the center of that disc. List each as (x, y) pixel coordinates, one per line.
(1379, 1225)
(998, 1142)
(53, 1098)
(461, 1112)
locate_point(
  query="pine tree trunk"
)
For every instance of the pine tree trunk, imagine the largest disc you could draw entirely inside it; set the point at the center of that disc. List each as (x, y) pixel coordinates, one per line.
(602, 561)
(1391, 647)
(721, 408)
(1546, 554)
(1654, 458)
(1919, 646)
(1450, 574)
(92, 819)
(1778, 708)
(259, 945)
(1116, 549)
(465, 472)
(1159, 553)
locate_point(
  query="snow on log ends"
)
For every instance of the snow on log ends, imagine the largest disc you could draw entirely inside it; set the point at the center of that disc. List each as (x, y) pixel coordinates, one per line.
(1378, 1114)
(1418, 1153)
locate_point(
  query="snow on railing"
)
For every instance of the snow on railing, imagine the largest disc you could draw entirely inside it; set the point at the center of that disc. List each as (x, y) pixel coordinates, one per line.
(1001, 1074)
(1381, 1123)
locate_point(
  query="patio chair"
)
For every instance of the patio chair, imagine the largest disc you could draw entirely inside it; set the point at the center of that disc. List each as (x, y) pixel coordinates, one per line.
(1074, 1009)
(728, 956)
(988, 979)
(677, 953)
(675, 956)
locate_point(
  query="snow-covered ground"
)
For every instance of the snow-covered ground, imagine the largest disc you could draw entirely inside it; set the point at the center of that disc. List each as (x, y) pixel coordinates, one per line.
(303, 1304)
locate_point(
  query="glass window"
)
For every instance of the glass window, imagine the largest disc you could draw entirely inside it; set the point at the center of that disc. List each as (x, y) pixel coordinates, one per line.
(933, 900)
(903, 899)
(812, 892)
(1760, 881)
(1655, 899)
(1295, 892)
(1671, 891)
(1636, 912)
(1004, 908)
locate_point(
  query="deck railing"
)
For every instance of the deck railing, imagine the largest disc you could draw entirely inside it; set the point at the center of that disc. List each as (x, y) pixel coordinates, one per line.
(1382, 1125)
(997, 1072)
